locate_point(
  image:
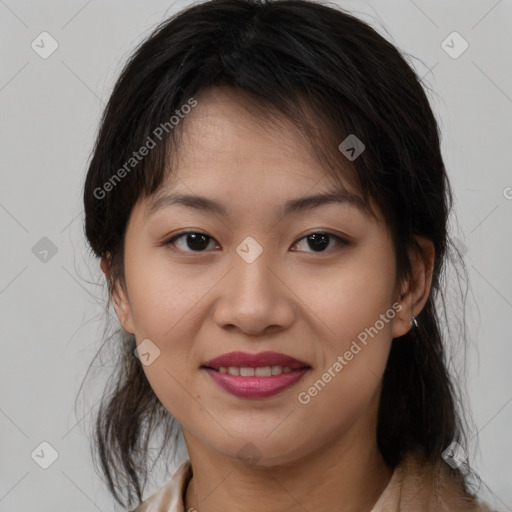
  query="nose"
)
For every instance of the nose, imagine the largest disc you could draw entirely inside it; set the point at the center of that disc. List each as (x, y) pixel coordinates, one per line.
(255, 298)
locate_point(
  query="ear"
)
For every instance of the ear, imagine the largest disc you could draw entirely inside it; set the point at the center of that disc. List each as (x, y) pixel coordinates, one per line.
(417, 289)
(119, 297)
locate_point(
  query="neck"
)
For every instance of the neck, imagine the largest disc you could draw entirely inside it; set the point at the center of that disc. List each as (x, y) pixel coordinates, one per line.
(347, 474)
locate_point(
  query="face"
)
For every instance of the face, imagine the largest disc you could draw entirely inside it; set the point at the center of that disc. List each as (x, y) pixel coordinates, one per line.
(315, 283)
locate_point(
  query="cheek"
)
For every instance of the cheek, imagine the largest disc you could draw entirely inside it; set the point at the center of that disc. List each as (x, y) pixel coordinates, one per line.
(166, 309)
(351, 299)
(355, 306)
(163, 296)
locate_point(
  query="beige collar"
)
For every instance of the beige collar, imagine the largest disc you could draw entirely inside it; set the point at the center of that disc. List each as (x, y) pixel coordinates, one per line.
(414, 486)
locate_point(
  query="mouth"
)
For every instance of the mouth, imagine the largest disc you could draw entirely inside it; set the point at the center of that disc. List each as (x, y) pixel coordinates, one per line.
(254, 376)
(258, 371)
(266, 363)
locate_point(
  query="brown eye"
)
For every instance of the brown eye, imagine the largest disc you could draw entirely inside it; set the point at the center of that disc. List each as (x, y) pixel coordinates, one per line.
(191, 241)
(319, 240)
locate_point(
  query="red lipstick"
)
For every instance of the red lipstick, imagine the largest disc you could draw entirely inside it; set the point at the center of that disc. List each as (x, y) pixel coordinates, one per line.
(254, 360)
(255, 387)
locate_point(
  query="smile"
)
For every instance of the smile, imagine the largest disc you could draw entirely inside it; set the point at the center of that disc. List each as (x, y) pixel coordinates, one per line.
(256, 383)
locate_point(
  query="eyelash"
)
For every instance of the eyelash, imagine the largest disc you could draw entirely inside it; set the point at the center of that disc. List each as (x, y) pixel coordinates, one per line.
(341, 241)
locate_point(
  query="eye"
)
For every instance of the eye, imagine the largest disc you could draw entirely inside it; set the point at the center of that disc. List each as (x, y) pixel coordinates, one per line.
(319, 240)
(194, 240)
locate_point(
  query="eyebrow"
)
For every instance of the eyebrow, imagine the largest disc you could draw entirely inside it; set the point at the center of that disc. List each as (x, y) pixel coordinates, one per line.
(299, 204)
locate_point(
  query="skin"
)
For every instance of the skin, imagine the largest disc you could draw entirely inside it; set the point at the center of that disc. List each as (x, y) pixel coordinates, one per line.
(193, 305)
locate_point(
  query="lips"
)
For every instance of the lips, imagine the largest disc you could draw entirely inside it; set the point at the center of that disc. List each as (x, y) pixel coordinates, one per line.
(251, 388)
(239, 359)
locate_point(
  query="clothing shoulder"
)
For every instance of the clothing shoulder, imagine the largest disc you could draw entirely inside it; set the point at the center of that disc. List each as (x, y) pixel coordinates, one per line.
(436, 487)
(169, 498)
(416, 485)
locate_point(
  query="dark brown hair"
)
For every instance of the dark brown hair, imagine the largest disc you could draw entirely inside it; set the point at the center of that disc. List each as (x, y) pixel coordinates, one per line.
(333, 75)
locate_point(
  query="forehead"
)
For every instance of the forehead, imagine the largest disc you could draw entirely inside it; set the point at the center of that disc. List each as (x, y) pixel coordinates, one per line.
(229, 138)
(226, 127)
(231, 152)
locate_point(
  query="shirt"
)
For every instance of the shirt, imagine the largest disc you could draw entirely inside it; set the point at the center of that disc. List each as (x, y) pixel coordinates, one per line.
(414, 486)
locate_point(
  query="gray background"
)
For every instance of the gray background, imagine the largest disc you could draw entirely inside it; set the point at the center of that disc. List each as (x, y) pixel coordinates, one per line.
(51, 308)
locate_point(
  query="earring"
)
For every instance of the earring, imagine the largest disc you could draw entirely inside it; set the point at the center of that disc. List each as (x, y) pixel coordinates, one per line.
(414, 322)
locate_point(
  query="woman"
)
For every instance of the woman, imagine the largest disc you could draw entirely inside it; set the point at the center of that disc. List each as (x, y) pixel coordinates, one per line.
(269, 202)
